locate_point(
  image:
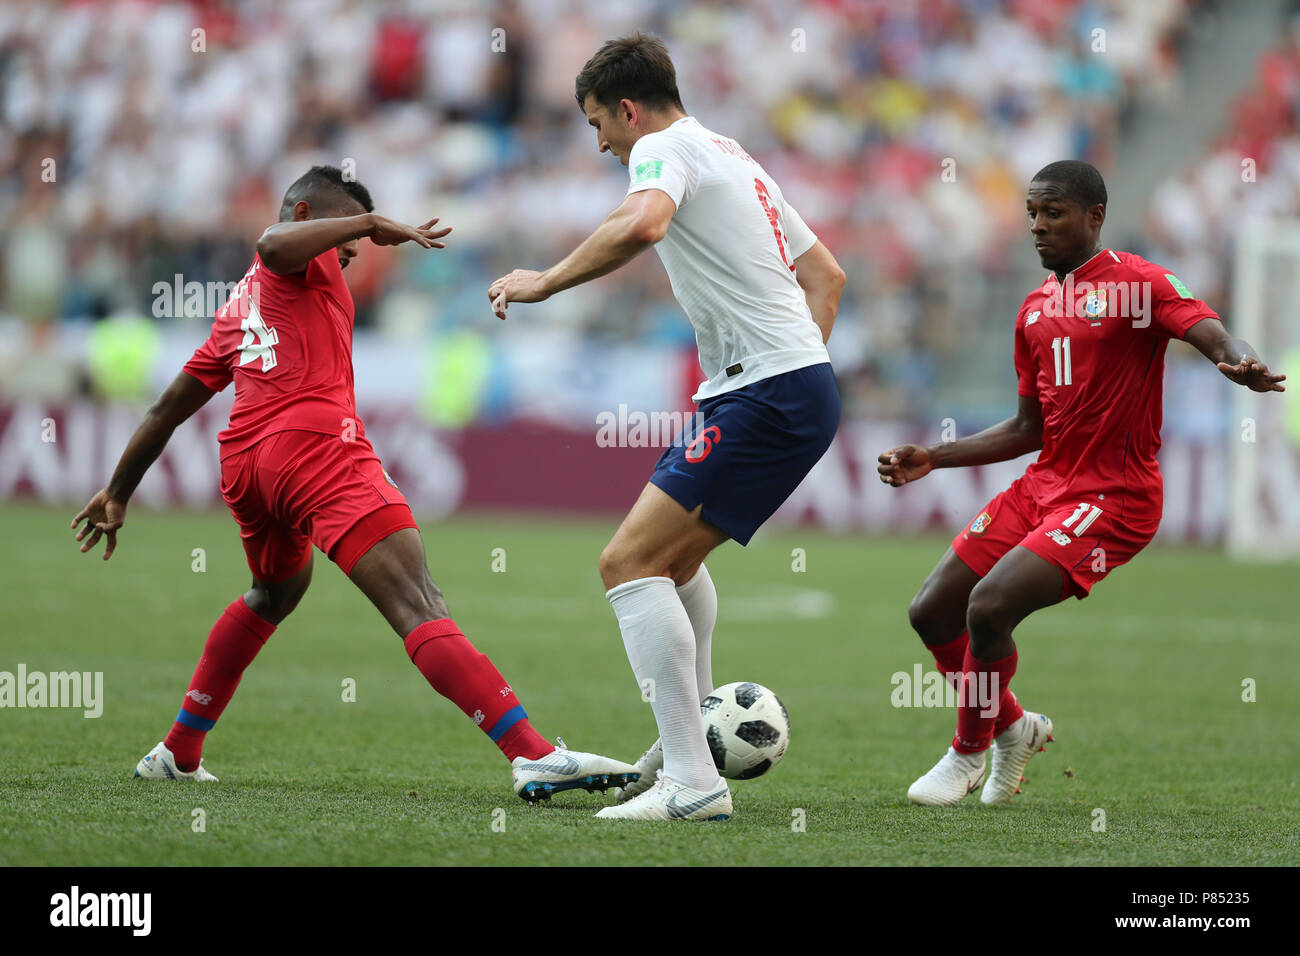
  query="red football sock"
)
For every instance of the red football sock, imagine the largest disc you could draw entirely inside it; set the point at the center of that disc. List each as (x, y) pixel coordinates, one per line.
(457, 671)
(975, 731)
(951, 658)
(232, 644)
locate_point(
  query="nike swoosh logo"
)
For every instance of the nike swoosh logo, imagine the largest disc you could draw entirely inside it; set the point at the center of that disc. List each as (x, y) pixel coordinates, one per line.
(569, 766)
(677, 811)
(677, 471)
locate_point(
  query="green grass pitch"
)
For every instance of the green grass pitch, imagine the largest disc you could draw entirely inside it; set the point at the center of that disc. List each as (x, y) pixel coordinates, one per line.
(1144, 681)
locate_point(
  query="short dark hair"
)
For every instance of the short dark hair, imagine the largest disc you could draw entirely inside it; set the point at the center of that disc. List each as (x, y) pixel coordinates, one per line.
(1081, 181)
(322, 187)
(636, 68)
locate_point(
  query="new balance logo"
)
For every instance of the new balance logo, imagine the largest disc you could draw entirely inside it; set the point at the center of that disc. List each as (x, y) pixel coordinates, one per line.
(1060, 537)
(479, 717)
(198, 698)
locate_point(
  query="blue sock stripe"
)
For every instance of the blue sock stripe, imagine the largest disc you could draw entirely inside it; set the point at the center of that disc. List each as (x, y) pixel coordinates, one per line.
(198, 723)
(508, 720)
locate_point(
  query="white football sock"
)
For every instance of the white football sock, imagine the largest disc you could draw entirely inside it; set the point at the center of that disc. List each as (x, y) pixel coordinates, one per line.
(661, 647)
(700, 599)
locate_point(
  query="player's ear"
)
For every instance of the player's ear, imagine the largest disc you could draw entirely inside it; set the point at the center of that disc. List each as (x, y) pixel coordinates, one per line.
(301, 211)
(1097, 216)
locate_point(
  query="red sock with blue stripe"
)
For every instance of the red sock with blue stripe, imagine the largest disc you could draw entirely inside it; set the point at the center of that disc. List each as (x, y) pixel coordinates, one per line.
(231, 646)
(457, 671)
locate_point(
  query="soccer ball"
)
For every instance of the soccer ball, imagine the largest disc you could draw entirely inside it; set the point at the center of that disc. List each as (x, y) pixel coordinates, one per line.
(748, 729)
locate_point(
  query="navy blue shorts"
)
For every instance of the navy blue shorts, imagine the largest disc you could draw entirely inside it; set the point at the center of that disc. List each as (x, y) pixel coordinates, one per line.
(748, 449)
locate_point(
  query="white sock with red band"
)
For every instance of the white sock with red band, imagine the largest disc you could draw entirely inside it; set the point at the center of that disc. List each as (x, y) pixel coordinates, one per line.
(700, 599)
(661, 648)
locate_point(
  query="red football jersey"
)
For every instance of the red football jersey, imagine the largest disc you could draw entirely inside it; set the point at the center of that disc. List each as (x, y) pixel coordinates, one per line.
(286, 342)
(1092, 349)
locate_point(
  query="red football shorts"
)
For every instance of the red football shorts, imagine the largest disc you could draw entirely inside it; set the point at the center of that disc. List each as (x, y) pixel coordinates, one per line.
(1082, 538)
(294, 489)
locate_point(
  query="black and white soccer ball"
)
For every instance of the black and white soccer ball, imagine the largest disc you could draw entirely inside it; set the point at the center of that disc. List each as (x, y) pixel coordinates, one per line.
(748, 729)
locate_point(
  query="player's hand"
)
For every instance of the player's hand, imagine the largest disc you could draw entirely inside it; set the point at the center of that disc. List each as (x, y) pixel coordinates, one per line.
(390, 233)
(1254, 374)
(103, 516)
(522, 285)
(905, 463)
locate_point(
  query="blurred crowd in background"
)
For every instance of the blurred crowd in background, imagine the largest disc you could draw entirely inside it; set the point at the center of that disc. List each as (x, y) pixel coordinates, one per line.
(169, 150)
(1251, 170)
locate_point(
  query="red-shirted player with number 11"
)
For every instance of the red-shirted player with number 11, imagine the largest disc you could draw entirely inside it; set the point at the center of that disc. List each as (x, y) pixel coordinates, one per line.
(297, 470)
(1089, 357)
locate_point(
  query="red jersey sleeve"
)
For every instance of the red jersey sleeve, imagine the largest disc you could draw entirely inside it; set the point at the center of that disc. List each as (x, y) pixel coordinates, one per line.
(1026, 374)
(209, 365)
(1174, 309)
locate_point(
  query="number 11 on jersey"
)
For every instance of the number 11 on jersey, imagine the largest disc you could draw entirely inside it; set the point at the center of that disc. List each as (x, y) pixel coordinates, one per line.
(1061, 359)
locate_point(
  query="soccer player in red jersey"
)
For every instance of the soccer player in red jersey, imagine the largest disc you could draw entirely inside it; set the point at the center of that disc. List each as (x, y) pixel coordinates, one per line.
(1089, 358)
(297, 470)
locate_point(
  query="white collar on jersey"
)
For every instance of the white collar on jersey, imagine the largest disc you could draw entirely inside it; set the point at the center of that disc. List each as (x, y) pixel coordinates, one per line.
(1051, 276)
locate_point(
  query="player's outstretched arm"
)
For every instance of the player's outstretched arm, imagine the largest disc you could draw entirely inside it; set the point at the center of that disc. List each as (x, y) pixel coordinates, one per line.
(286, 247)
(106, 512)
(1018, 435)
(636, 225)
(822, 281)
(1234, 357)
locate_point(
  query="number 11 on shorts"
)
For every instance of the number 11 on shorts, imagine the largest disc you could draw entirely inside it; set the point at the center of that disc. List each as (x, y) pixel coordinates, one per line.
(1078, 513)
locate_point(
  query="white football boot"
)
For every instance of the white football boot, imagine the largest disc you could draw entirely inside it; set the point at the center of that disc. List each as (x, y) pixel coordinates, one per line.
(651, 762)
(669, 800)
(948, 781)
(1011, 752)
(564, 769)
(160, 764)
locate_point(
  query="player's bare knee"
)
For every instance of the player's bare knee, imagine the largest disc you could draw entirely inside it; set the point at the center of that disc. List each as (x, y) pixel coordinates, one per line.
(920, 615)
(274, 602)
(612, 566)
(988, 617)
(935, 621)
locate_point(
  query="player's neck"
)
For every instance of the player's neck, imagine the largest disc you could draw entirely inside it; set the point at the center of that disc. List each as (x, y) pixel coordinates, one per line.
(1084, 260)
(658, 122)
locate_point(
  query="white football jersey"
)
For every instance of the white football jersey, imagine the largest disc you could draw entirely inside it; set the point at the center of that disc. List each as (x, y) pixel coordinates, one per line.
(730, 252)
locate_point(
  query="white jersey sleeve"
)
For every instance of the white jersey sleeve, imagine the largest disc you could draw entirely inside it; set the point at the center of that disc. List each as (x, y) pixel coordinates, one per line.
(797, 233)
(664, 162)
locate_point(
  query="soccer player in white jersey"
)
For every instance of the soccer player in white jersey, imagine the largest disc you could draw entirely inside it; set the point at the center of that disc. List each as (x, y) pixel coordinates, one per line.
(762, 293)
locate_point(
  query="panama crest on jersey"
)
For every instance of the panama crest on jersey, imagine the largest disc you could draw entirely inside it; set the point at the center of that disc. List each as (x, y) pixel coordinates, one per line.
(1094, 306)
(981, 524)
